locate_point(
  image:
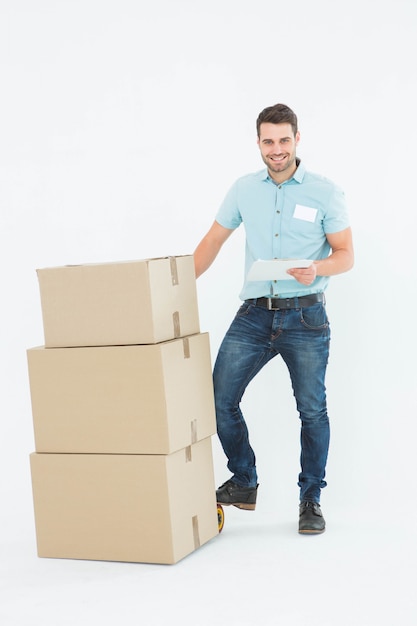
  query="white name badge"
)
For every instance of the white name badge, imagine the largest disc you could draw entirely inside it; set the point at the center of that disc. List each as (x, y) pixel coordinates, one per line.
(306, 213)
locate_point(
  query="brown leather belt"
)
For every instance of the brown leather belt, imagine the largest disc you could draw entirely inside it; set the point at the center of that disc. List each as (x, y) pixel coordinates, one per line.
(276, 304)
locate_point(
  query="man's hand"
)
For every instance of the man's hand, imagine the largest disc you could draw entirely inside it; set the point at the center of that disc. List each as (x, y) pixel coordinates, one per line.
(304, 275)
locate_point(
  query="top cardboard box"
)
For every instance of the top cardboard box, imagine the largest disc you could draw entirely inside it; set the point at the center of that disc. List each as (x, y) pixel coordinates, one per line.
(125, 303)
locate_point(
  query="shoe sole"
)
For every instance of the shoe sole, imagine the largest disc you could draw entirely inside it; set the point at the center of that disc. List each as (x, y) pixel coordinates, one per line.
(311, 532)
(240, 505)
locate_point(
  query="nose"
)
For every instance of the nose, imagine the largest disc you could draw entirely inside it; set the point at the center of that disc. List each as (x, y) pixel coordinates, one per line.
(276, 148)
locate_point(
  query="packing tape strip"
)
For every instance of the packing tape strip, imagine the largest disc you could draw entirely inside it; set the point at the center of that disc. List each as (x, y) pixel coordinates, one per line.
(196, 533)
(174, 270)
(176, 320)
(194, 431)
(186, 347)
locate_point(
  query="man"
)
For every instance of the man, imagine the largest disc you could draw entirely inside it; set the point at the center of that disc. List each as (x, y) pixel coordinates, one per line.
(287, 212)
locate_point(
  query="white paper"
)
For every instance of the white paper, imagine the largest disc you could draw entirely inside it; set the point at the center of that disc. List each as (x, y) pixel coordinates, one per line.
(306, 213)
(276, 269)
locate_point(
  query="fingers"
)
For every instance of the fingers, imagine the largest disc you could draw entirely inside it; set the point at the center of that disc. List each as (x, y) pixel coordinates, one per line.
(304, 275)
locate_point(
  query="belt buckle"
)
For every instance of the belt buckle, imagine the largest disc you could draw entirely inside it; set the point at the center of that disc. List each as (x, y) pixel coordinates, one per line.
(270, 307)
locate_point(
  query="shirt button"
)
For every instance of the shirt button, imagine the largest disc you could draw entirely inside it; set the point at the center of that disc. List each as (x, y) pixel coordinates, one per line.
(276, 234)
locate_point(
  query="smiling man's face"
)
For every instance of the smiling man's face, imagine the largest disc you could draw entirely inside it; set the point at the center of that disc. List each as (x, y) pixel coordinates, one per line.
(278, 144)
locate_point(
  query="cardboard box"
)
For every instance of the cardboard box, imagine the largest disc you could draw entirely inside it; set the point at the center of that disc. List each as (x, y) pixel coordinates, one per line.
(148, 399)
(138, 508)
(134, 302)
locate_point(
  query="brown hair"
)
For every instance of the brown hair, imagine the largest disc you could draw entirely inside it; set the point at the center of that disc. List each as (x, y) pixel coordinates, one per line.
(277, 114)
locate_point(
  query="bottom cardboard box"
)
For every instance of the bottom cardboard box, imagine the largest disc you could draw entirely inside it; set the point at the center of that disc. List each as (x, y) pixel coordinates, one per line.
(113, 507)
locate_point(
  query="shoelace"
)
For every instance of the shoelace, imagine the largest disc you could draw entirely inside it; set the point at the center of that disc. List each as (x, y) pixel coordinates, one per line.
(311, 505)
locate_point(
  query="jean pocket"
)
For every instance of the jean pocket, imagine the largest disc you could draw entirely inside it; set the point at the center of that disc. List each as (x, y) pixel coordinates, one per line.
(314, 317)
(244, 309)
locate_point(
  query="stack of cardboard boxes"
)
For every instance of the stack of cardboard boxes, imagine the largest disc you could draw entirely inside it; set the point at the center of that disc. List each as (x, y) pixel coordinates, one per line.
(123, 414)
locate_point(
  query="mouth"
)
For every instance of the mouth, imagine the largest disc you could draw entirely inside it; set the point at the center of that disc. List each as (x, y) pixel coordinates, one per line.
(278, 159)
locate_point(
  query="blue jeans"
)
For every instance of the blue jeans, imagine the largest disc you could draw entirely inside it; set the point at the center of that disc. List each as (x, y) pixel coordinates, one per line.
(256, 335)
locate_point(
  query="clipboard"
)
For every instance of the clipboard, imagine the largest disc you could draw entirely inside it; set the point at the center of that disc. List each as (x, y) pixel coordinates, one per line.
(275, 269)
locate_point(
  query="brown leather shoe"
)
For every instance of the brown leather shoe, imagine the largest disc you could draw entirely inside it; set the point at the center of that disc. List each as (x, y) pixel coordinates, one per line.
(311, 519)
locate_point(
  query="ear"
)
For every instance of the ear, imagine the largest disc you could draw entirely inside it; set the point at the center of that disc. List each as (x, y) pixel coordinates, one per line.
(297, 137)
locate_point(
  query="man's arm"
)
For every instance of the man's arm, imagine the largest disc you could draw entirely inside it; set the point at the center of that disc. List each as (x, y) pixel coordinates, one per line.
(209, 247)
(340, 260)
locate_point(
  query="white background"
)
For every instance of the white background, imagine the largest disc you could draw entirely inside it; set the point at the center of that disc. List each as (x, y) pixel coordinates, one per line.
(122, 126)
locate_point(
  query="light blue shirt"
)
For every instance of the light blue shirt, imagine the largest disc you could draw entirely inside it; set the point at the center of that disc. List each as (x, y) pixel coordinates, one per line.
(284, 221)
